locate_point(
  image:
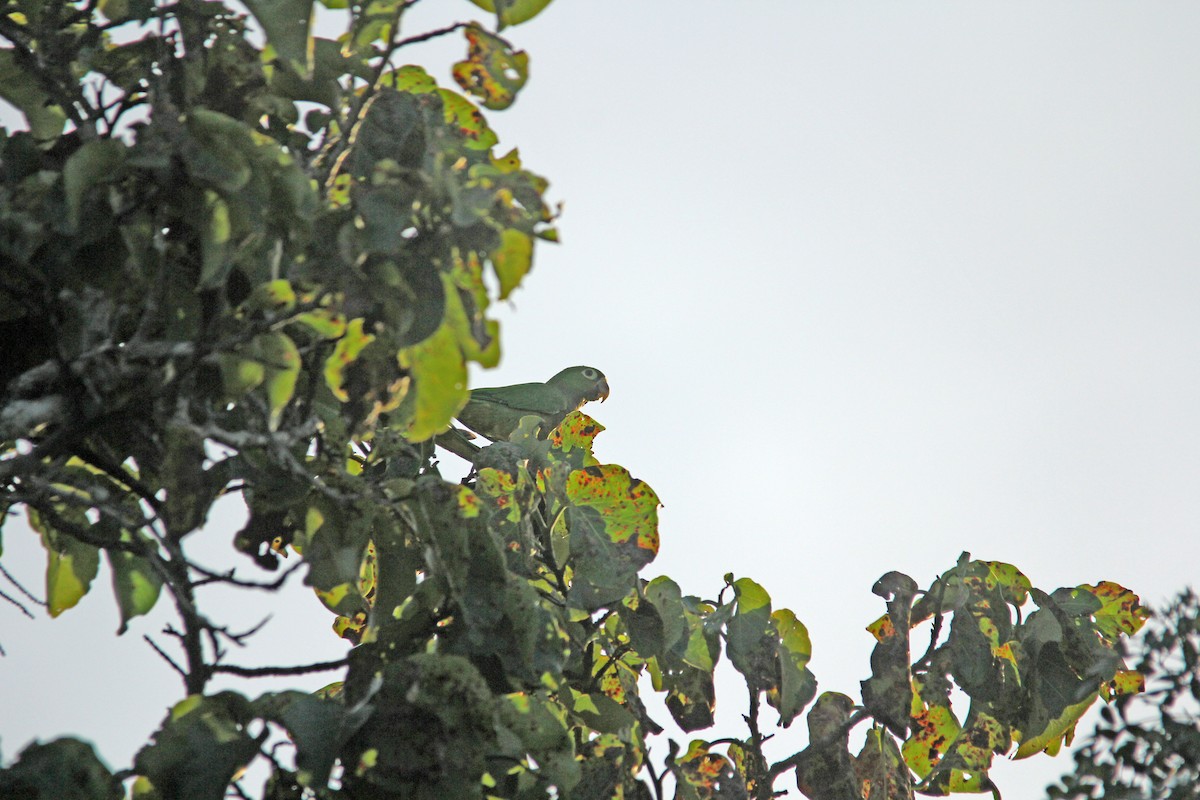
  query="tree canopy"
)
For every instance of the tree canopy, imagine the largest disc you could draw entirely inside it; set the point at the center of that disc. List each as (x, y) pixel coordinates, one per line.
(242, 259)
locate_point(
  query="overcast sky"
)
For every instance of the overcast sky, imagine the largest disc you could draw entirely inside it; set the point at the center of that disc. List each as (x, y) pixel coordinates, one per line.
(872, 283)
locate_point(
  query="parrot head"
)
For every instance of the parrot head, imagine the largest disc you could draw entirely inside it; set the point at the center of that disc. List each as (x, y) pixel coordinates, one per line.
(581, 383)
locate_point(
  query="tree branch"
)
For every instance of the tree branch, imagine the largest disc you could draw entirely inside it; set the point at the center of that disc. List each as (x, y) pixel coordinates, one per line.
(262, 672)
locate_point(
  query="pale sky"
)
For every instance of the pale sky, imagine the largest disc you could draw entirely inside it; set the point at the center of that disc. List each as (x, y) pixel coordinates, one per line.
(872, 283)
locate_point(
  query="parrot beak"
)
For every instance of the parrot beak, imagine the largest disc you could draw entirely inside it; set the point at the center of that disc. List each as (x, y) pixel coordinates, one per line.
(602, 391)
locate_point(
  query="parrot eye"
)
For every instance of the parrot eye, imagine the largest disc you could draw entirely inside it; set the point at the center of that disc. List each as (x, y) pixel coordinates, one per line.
(591, 374)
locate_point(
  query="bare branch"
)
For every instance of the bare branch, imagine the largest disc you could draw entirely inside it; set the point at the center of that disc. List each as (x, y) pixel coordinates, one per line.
(32, 597)
(166, 657)
(262, 672)
(228, 578)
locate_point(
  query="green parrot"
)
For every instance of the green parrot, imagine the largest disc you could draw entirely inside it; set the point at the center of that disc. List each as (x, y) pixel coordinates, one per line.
(495, 413)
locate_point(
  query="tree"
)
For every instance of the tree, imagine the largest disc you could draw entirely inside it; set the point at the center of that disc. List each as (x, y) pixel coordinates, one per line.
(261, 270)
(1148, 747)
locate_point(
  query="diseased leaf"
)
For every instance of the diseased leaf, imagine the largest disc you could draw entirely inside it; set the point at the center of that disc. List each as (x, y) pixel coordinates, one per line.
(613, 521)
(492, 71)
(344, 354)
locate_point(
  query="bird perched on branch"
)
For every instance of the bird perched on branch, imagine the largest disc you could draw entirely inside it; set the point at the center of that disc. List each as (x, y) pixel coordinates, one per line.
(496, 413)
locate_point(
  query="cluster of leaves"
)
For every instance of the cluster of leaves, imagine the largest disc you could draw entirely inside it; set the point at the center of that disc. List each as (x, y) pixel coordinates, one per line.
(205, 291)
(1148, 747)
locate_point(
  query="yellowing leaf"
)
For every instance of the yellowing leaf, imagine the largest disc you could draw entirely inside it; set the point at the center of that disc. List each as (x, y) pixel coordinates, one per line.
(344, 354)
(512, 259)
(439, 376)
(628, 506)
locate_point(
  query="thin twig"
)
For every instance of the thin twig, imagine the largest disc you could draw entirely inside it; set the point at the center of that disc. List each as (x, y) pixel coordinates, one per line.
(20, 588)
(6, 596)
(424, 37)
(165, 657)
(228, 578)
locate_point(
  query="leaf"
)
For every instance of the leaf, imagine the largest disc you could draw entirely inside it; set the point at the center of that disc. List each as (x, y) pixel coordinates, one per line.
(751, 639)
(199, 747)
(492, 71)
(286, 24)
(281, 368)
(1120, 612)
(881, 770)
(887, 694)
(344, 354)
(512, 260)
(797, 685)
(613, 520)
(934, 729)
(464, 118)
(64, 769)
(513, 12)
(317, 726)
(135, 584)
(214, 242)
(239, 374)
(703, 774)
(439, 376)
(71, 565)
(97, 161)
(1060, 730)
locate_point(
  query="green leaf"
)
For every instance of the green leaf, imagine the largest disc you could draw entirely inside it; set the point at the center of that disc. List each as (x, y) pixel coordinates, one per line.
(797, 685)
(64, 769)
(286, 23)
(239, 374)
(513, 12)
(201, 745)
(492, 71)
(439, 376)
(214, 151)
(317, 726)
(96, 162)
(750, 639)
(214, 242)
(135, 584)
(281, 368)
